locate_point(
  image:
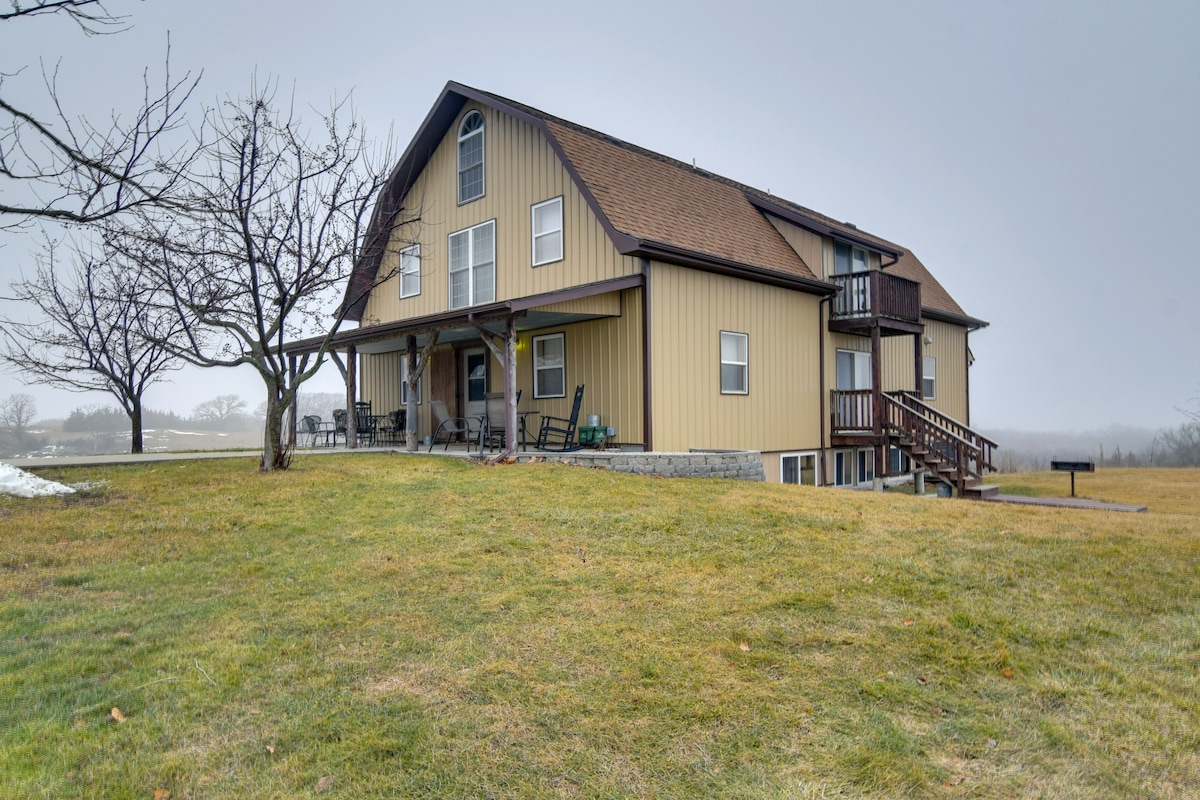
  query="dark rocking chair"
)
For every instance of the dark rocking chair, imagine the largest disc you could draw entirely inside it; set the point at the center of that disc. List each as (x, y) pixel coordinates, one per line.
(558, 433)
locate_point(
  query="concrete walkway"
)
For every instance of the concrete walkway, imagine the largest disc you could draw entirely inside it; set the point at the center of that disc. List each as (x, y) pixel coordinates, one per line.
(1061, 502)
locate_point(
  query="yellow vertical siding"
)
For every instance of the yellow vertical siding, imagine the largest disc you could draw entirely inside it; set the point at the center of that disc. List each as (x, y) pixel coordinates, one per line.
(605, 355)
(689, 309)
(898, 367)
(807, 244)
(949, 346)
(521, 170)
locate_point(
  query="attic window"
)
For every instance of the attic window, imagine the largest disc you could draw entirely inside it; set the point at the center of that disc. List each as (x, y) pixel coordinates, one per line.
(470, 158)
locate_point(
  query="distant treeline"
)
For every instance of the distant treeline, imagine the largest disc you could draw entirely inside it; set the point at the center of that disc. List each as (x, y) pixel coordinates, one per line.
(110, 419)
(224, 413)
(1115, 446)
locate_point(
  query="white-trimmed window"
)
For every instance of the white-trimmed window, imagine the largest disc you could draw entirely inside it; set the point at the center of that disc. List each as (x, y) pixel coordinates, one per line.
(853, 370)
(470, 158)
(843, 468)
(866, 465)
(798, 468)
(929, 378)
(404, 381)
(410, 271)
(473, 265)
(853, 467)
(735, 363)
(847, 259)
(547, 221)
(550, 365)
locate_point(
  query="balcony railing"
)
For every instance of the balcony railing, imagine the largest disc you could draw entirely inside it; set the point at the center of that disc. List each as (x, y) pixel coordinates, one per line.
(852, 410)
(876, 294)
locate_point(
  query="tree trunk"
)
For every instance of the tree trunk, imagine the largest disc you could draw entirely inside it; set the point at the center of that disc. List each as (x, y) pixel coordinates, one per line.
(135, 420)
(275, 454)
(351, 396)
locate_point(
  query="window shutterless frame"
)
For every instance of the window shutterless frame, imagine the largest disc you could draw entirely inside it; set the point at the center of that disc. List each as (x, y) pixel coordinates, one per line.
(546, 220)
(404, 381)
(470, 158)
(735, 363)
(410, 271)
(472, 265)
(798, 468)
(929, 378)
(550, 365)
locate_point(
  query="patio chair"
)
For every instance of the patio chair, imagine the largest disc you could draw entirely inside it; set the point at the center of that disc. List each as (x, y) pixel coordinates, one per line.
(392, 427)
(452, 427)
(494, 434)
(558, 433)
(339, 425)
(364, 422)
(312, 427)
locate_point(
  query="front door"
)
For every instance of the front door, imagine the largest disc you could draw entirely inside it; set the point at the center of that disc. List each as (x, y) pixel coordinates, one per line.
(475, 382)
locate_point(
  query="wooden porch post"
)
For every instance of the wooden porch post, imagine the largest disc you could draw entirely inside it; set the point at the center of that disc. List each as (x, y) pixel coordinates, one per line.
(919, 365)
(416, 367)
(351, 396)
(410, 406)
(295, 409)
(510, 383)
(877, 402)
(507, 356)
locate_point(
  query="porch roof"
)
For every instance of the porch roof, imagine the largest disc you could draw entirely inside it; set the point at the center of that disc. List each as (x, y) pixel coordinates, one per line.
(455, 326)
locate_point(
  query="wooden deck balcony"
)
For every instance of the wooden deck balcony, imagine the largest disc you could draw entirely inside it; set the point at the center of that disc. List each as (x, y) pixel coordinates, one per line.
(852, 412)
(875, 298)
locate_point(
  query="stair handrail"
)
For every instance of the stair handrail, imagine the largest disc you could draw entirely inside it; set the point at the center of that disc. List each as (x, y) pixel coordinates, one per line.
(985, 445)
(927, 432)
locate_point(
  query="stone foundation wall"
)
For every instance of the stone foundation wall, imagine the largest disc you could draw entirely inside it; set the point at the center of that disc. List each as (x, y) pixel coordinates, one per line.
(742, 464)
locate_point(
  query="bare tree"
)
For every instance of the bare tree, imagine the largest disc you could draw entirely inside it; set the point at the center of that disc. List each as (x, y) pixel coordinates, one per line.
(220, 411)
(276, 223)
(65, 168)
(18, 412)
(99, 330)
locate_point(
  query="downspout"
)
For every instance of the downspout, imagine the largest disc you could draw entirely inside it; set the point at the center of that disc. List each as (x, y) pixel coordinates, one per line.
(647, 406)
(967, 374)
(822, 400)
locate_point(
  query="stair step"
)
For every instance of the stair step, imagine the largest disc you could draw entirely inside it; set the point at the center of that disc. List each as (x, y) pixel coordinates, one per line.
(981, 490)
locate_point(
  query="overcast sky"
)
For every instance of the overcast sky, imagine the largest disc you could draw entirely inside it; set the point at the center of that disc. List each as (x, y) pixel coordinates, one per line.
(1038, 157)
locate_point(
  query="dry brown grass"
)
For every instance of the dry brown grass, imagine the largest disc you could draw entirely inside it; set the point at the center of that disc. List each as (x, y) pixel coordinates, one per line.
(418, 627)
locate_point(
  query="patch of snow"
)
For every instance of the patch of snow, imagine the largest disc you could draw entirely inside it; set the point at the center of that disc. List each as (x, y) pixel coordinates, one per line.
(23, 484)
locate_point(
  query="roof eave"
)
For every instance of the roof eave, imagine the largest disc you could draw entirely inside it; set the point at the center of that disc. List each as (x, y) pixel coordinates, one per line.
(662, 251)
(820, 228)
(970, 323)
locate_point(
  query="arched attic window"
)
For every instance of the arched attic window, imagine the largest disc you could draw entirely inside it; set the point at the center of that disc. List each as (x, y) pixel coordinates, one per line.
(470, 158)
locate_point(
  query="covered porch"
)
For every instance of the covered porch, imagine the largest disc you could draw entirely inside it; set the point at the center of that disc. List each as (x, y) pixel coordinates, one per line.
(521, 358)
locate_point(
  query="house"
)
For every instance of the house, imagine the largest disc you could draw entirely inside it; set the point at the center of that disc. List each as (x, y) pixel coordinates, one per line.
(700, 313)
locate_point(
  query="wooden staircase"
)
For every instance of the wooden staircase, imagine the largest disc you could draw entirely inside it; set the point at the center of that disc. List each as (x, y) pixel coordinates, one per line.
(951, 452)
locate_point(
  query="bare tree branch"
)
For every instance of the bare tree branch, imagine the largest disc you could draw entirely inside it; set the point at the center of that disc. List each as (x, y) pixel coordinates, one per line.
(90, 15)
(68, 169)
(99, 330)
(275, 221)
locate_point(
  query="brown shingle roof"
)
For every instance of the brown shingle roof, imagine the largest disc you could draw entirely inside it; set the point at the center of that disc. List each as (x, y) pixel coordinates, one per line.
(655, 200)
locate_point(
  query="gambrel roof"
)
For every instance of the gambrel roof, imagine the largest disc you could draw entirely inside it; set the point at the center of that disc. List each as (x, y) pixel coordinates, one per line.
(651, 206)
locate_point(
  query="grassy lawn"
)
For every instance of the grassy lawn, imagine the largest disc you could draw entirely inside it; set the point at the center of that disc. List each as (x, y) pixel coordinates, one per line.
(393, 626)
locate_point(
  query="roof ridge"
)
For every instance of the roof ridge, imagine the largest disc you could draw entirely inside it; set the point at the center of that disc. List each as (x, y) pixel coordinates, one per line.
(848, 228)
